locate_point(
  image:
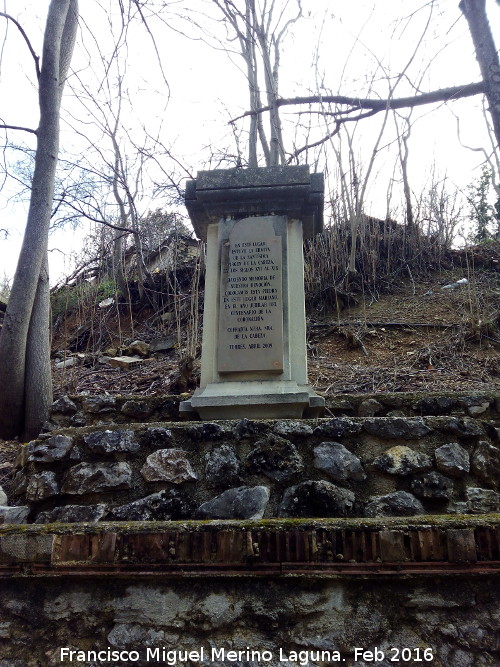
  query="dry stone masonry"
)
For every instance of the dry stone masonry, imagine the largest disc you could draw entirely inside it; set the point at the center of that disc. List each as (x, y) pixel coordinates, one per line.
(240, 469)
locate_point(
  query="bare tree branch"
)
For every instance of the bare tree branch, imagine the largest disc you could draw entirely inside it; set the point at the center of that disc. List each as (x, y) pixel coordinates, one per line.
(442, 95)
(17, 127)
(26, 39)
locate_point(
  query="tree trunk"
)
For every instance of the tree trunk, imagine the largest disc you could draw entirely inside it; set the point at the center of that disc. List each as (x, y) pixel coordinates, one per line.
(21, 315)
(38, 379)
(486, 55)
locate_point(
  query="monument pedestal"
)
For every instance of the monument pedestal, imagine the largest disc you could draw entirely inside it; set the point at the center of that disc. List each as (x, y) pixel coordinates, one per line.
(254, 361)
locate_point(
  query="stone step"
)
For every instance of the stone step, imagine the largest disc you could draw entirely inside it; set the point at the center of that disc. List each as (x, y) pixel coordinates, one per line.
(342, 547)
(97, 410)
(340, 467)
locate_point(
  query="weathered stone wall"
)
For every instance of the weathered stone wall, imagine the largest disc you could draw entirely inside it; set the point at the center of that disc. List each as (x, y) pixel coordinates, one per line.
(371, 466)
(100, 410)
(427, 584)
(457, 618)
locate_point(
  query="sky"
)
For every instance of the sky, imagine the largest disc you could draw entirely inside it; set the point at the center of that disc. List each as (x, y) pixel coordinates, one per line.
(352, 48)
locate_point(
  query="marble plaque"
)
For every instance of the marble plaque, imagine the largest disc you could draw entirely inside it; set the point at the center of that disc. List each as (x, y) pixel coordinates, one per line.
(251, 299)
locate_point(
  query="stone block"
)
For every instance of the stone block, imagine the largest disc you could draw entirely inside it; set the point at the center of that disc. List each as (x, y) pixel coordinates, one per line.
(168, 465)
(452, 459)
(55, 448)
(110, 442)
(398, 503)
(401, 460)
(392, 428)
(482, 501)
(137, 409)
(277, 458)
(432, 485)
(316, 499)
(64, 406)
(73, 514)
(98, 404)
(223, 468)
(169, 505)
(369, 408)
(156, 436)
(240, 503)
(94, 477)
(18, 514)
(338, 462)
(18, 548)
(42, 485)
(486, 463)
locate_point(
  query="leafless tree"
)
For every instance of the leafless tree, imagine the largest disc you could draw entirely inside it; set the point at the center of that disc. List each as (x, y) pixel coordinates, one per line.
(24, 339)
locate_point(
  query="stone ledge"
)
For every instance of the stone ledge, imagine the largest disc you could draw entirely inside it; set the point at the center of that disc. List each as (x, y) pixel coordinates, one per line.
(445, 545)
(76, 410)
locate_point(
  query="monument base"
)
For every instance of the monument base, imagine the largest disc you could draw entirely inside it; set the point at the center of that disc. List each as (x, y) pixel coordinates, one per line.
(253, 400)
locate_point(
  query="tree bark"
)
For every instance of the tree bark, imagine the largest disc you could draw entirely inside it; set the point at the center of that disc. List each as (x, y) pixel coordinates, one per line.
(38, 378)
(23, 315)
(486, 55)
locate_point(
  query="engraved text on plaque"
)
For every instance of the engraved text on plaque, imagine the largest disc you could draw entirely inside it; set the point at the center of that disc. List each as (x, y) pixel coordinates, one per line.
(251, 300)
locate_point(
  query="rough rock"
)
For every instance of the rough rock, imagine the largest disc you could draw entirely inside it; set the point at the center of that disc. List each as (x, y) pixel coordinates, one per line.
(243, 502)
(169, 505)
(64, 406)
(42, 485)
(17, 514)
(168, 465)
(392, 428)
(97, 404)
(338, 462)
(73, 514)
(156, 436)
(109, 442)
(54, 448)
(316, 499)
(67, 363)
(395, 413)
(401, 460)
(486, 463)
(19, 483)
(436, 405)
(398, 503)
(338, 428)
(432, 485)
(276, 458)
(452, 459)
(137, 409)
(247, 428)
(131, 635)
(138, 347)
(465, 428)
(78, 419)
(222, 468)
(474, 405)
(3, 497)
(163, 344)
(289, 427)
(482, 501)
(206, 431)
(92, 477)
(369, 408)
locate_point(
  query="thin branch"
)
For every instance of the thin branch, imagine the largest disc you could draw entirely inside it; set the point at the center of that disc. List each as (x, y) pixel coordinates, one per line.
(442, 95)
(28, 43)
(16, 127)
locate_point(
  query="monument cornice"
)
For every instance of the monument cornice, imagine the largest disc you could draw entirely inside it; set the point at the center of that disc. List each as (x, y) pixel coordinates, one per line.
(291, 191)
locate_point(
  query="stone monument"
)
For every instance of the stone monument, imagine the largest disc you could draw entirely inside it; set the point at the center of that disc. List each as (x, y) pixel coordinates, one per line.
(254, 360)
